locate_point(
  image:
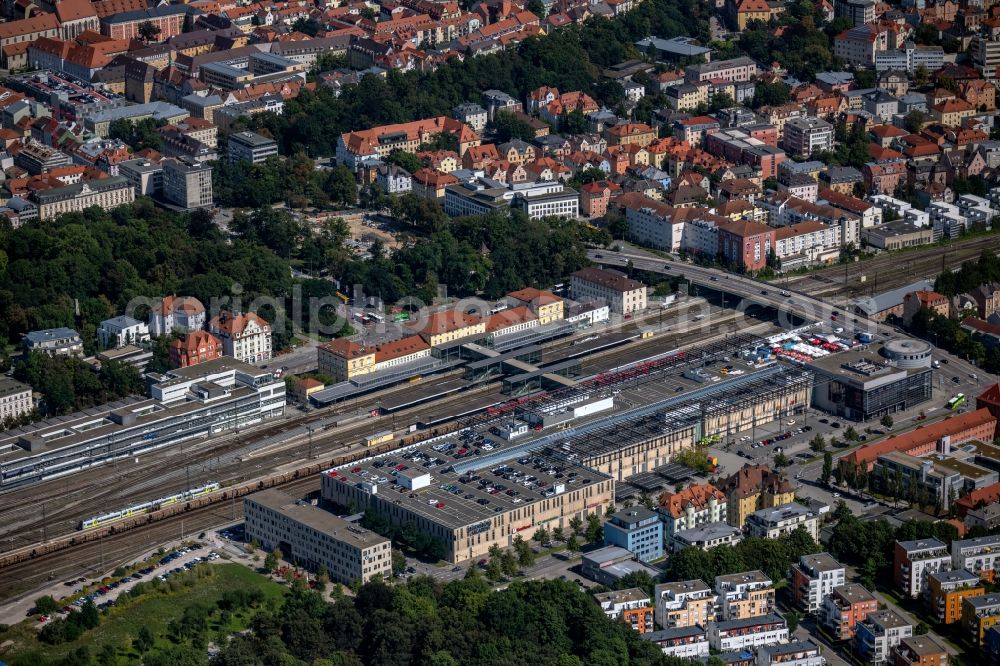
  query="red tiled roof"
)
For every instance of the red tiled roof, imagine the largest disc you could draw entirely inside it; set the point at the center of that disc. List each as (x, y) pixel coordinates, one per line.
(921, 435)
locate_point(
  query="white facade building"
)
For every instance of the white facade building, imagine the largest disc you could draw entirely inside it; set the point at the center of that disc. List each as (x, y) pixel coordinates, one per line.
(748, 634)
(121, 331)
(781, 520)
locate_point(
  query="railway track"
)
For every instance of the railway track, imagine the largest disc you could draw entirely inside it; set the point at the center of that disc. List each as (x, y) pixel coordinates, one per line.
(114, 548)
(890, 271)
(42, 511)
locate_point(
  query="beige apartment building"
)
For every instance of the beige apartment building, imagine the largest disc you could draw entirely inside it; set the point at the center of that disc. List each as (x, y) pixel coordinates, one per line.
(685, 603)
(187, 184)
(744, 595)
(547, 306)
(311, 537)
(623, 294)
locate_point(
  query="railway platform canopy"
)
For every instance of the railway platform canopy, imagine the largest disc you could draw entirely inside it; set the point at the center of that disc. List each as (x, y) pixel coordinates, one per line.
(550, 377)
(368, 383)
(497, 364)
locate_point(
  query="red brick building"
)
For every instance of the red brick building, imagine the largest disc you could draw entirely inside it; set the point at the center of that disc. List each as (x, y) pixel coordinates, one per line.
(194, 348)
(746, 244)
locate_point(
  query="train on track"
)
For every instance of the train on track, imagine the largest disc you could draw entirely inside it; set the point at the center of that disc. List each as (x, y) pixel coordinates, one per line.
(148, 507)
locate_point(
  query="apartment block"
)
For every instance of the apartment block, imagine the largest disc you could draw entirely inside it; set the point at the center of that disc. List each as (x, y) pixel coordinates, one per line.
(805, 136)
(920, 651)
(631, 605)
(54, 342)
(794, 653)
(354, 147)
(623, 294)
(737, 69)
(814, 578)
(694, 506)
(877, 635)
(947, 589)
(245, 337)
(744, 595)
(914, 561)
(747, 634)
(844, 608)
(979, 615)
(978, 556)
(685, 603)
(120, 331)
(194, 348)
(681, 642)
(311, 537)
(785, 519)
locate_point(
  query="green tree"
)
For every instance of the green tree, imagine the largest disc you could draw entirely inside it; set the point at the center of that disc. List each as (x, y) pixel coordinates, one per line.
(271, 560)
(398, 561)
(886, 421)
(144, 640)
(576, 525)
(148, 31)
(572, 544)
(595, 530)
(817, 443)
(557, 534)
(792, 619)
(781, 460)
(921, 628)
(827, 468)
(541, 535)
(46, 605)
(850, 434)
(507, 126)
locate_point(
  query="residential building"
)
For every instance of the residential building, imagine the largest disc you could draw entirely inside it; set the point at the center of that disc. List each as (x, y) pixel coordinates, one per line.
(774, 522)
(925, 298)
(987, 298)
(15, 399)
(947, 589)
(472, 115)
(920, 651)
(169, 19)
(795, 653)
(979, 556)
(681, 642)
(979, 615)
(705, 537)
(595, 196)
(245, 337)
(393, 179)
(313, 537)
(747, 634)
(743, 595)
(378, 142)
(686, 603)
(746, 244)
(120, 331)
(898, 234)
(814, 578)
(694, 506)
(54, 342)
(737, 69)
(914, 561)
(194, 348)
(858, 12)
(636, 529)
(844, 608)
(859, 45)
(187, 184)
(106, 193)
(176, 313)
(986, 56)
(631, 605)
(877, 635)
(624, 295)
(805, 136)
(250, 147)
(752, 488)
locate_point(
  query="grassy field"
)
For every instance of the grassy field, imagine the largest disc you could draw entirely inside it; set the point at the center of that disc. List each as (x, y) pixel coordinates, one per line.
(19, 645)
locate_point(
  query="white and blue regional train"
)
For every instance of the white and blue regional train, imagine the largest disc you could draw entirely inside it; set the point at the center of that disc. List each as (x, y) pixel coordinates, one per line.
(148, 507)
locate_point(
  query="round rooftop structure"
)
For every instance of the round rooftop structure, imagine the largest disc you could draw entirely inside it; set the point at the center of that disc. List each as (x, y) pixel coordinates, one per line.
(908, 353)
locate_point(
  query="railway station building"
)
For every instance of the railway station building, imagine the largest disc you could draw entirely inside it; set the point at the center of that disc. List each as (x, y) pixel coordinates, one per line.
(185, 404)
(311, 536)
